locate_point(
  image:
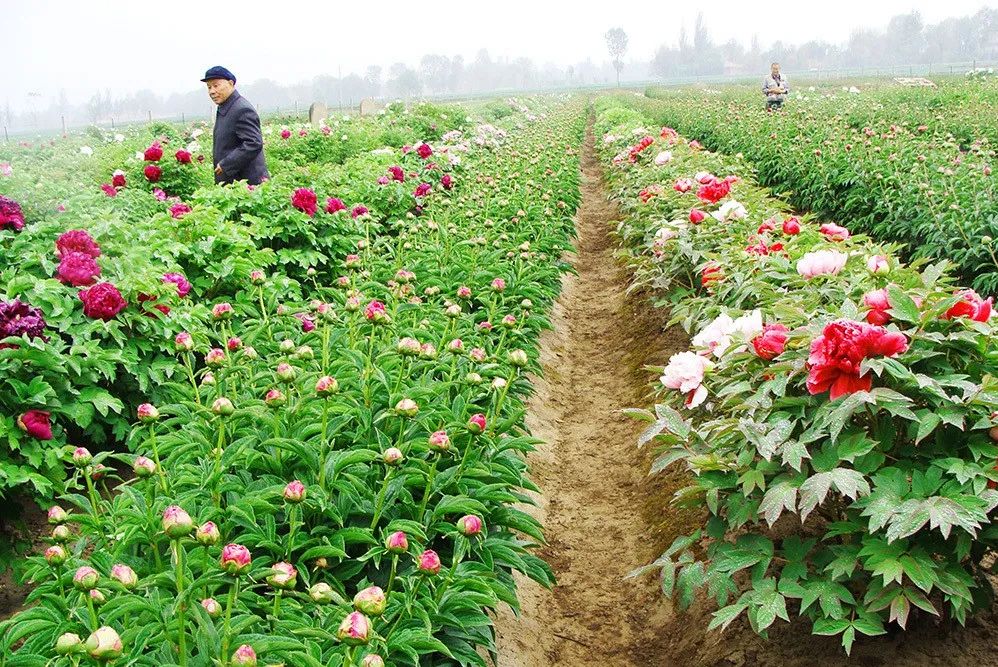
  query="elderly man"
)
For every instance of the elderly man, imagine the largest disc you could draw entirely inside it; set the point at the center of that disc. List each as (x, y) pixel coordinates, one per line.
(775, 88)
(237, 149)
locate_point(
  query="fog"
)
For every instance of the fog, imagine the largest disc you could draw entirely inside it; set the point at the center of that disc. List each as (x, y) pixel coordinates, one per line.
(89, 60)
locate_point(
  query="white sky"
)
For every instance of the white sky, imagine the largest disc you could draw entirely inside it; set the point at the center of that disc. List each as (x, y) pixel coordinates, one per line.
(127, 45)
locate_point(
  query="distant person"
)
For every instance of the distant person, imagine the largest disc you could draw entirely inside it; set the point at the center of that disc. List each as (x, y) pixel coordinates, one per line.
(775, 88)
(237, 146)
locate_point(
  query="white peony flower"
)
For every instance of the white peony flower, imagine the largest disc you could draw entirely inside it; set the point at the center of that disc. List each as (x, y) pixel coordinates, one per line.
(86, 150)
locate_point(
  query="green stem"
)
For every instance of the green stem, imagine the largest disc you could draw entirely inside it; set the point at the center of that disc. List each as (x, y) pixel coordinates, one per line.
(155, 454)
(93, 612)
(379, 505)
(277, 605)
(429, 486)
(391, 577)
(291, 530)
(325, 444)
(458, 556)
(190, 376)
(218, 461)
(464, 459)
(178, 551)
(227, 627)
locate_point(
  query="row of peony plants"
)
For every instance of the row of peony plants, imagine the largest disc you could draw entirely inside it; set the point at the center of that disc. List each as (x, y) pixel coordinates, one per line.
(909, 174)
(331, 483)
(836, 411)
(134, 256)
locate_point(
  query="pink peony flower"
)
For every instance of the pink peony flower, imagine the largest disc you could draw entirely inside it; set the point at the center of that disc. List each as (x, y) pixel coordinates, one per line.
(11, 216)
(77, 269)
(447, 181)
(429, 562)
(971, 306)
(397, 173)
(397, 542)
(77, 240)
(685, 372)
(771, 342)
(159, 194)
(713, 191)
(834, 232)
(878, 304)
(305, 201)
(355, 629)
(235, 558)
(179, 210)
(358, 211)
(285, 133)
(836, 355)
(476, 424)
(424, 151)
(791, 226)
(422, 190)
(102, 301)
(469, 525)
(375, 312)
(36, 424)
(878, 264)
(821, 262)
(683, 185)
(333, 205)
(183, 286)
(109, 190)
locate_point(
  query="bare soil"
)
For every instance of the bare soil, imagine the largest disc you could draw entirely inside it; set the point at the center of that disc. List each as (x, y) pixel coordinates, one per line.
(604, 516)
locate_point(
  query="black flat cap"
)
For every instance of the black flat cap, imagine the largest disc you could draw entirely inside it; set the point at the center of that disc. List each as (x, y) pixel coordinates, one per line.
(219, 72)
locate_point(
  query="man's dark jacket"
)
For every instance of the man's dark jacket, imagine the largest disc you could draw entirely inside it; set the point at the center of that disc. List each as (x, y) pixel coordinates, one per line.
(238, 142)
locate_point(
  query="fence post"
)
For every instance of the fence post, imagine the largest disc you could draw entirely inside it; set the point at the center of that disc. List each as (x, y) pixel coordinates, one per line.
(64, 124)
(150, 115)
(6, 138)
(182, 118)
(112, 122)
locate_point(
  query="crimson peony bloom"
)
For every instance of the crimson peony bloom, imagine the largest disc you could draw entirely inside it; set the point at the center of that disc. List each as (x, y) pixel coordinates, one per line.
(153, 173)
(422, 190)
(972, 306)
(697, 216)
(878, 304)
(153, 153)
(424, 151)
(359, 210)
(397, 173)
(791, 226)
(714, 191)
(178, 279)
(771, 342)
(305, 201)
(16, 319)
(118, 179)
(179, 210)
(36, 424)
(109, 190)
(183, 157)
(836, 355)
(11, 216)
(77, 269)
(447, 181)
(102, 301)
(334, 204)
(77, 240)
(285, 133)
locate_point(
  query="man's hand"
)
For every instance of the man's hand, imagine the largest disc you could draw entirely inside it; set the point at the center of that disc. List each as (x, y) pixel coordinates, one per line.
(218, 170)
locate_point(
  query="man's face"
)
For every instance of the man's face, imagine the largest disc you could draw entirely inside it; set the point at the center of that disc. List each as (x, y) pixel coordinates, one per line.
(775, 69)
(219, 89)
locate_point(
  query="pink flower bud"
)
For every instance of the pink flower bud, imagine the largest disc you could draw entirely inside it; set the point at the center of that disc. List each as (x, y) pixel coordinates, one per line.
(791, 226)
(234, 343)
(429, 562)
(464, 292)
(223, 407)
(427, 351)
(82, 457)
(124, 575)
(469, 525)
(222, 311)
(98, 471)
(878, 264)
(275, 398)
(476, 424)
(408, 347)
(86, 578)
(392, 456)
(147, 413)
(286, 372)
(62, 533)
(144, 467)
(183, 342)
(244, 656)
(176, 522)
(96, 597)
(208, 379)
(439, 441)
(235, 558)
(207, 534)
(371, 601)
(498, 285)
(326, 386)
(258, 277)
(104, 644)
(397, 542)
(355, 629)
(57, 515)
(509, 321)
(453, 311)
(68, 643)
(294, 492)
(407, 407)
(212, 607)
(55, 555)
(287, 346)
(284, 576)
(518, 358)
(322, 593)
(372, 660)
(473, 379)
(215, 357)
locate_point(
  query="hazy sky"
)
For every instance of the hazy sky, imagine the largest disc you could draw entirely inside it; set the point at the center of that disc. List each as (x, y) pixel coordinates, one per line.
(128, 45)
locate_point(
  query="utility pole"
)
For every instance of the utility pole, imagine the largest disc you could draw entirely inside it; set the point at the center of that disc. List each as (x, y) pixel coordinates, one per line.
(339, 87)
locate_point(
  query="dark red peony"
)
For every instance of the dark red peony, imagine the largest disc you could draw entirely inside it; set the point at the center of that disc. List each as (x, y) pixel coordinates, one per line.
(11, 216)
(424, 151)
(305, 201)
(77, 269)
(77, 240)
(183, 157)
(154, 152)
(397, 173)
(16, 319)
(836, 355)
(447, 181)
(334, 204)
(153, 173)
(36, 424)
(102, 301)
(118, 179)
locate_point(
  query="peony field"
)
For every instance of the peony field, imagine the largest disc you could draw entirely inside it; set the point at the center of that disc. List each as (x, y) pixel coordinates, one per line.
(638, 375)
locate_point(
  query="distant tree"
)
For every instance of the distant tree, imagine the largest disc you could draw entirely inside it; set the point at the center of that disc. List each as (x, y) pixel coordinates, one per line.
(403, 81)
(616, 45)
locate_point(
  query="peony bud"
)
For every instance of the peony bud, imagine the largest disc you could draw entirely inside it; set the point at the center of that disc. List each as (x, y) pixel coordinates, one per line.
(464, 292)
(877, 264)
(86, 578)
(176, 522)
(791, 226)
(284, 576)
(294, 492)
(235, 558)
(222, 311)
(98, 471)
(509, 321)
(372, 660)
(234, 343)
(82, 457)
(498, 383)
(68, 643)
(208, 380)
(397, 542)
(371, 601)
(250, 353)
(104, 644)
(392, 456)
(57, 515)
(212, 607)
(326, 386)
(408, 347)
(183, 342)
(322, 593)
(427, 351)
(275, 398)
(287, 346)
(498, 285)
(124, 575)
(439, 441)
(286, 372)
(223, 407)
(144, 467)
(147, 413)
(455, 346)
(258, 277)
(62, 533)
(304, 352)
(429, 562)
(207, 534)
(518, 358)
(474, 379)
(215, 357)
(244, 656)
(469, 525)
(55, 555)
(97, 597)
(453, 311)
(407, 407)
(476, 424)
(355, 629)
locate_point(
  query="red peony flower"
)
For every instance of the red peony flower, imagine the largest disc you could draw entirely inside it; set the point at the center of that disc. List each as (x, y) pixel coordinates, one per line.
(878, 304)
(771, 342)
(118, 179)
(183, 157)
(714, 192)
(424, 151)
(16, 319)
(697, 216)
(791, 226)
(712, 273)
(397, 173)
(11, 216)
(447, 181)
(77, 240)
(102, 301)
(334, 204)
(77, 269)
(422, 190)
(972, 306)
(836, 355)
(153, 173)
(154, 152)
(359, 210)
(305, 201)
(179, 210)
(36, 424)
(285, 133)
(109, 190)
(178, 279)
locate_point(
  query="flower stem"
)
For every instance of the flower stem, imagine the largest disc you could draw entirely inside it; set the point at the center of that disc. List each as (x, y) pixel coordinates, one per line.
(155, 454)
(93, 612)
(178, 551)
(391, 577)
(325, 444)
(227, 627)
(379, 505)
(429, 487)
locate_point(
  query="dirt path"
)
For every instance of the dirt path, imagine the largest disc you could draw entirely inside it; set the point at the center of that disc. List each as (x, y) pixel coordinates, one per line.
(594, 482)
